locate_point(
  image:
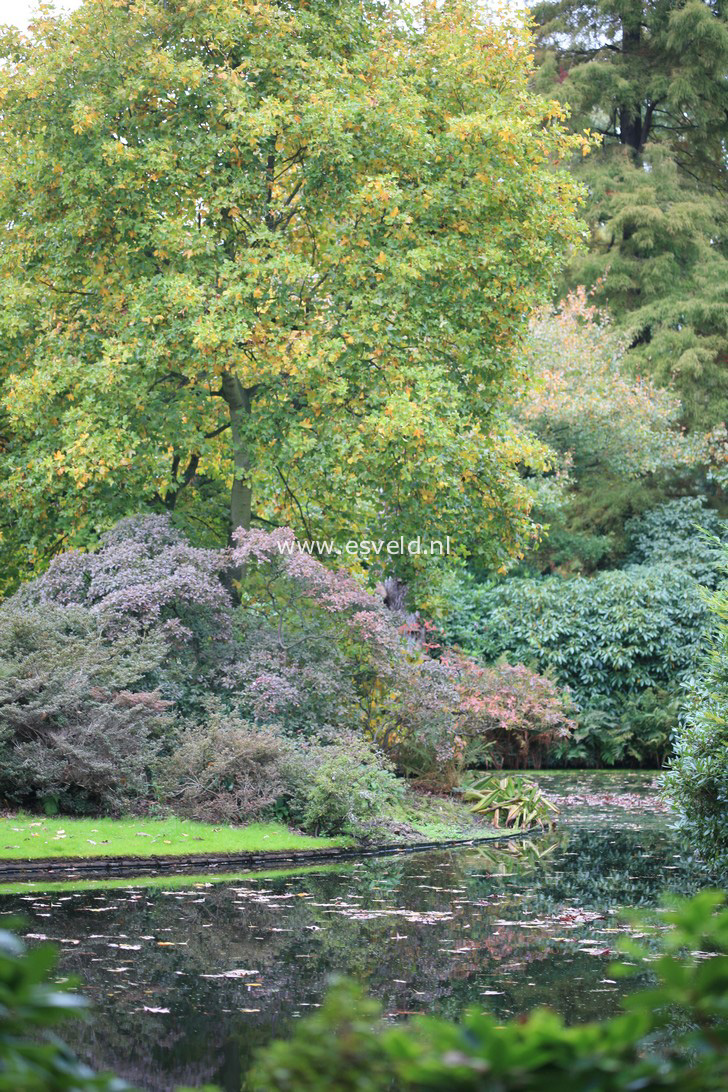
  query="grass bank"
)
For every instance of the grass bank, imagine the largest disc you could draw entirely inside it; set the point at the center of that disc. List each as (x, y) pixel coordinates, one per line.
(32, 837)
(27, 837)
(436, 818)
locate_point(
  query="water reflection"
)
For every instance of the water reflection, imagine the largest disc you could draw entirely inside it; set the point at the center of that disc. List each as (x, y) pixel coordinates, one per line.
(188, 981)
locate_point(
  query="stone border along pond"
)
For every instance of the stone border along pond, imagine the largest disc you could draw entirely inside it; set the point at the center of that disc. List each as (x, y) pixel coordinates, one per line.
(69, 868)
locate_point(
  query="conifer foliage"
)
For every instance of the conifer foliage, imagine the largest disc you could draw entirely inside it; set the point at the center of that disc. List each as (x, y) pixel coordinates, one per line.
(650, 80)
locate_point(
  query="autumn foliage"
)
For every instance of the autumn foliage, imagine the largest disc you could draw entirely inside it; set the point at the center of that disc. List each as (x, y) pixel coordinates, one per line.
(269, 262)
(131, 673)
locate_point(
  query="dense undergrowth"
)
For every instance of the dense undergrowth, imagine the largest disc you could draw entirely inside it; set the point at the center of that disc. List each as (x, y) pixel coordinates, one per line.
(132, 678)
(135, 679)
(624, 641)
(698, 778)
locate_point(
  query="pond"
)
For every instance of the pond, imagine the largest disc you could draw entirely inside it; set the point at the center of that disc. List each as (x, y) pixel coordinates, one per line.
(189, 976)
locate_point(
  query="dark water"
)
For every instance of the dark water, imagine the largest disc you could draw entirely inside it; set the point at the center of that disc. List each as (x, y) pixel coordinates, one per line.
(504, 929)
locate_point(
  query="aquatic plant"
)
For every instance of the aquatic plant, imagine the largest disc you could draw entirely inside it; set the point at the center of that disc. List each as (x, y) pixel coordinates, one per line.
(510, 802)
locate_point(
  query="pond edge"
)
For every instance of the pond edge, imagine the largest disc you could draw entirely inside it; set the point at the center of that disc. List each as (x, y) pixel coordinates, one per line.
(67, 868)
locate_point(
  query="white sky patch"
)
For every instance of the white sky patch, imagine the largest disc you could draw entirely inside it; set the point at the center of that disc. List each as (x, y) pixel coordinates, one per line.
(20, 12)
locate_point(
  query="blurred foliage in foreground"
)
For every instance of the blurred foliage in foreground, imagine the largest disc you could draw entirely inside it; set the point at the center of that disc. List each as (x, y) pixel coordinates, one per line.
(32, 1058)
(673, 1035)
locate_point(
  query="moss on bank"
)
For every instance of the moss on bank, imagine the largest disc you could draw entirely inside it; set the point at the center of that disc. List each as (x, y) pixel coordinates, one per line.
(429, 818)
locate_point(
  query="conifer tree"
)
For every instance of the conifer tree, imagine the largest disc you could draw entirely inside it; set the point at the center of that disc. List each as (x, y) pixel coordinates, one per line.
(650, 79)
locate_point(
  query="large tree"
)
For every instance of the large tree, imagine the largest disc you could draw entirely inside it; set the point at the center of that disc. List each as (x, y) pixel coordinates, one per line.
(277, 251)
(651, 79)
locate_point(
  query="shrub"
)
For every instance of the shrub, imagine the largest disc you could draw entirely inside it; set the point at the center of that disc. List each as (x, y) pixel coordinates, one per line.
(444, 714)
(307, 651)
(413, 712)
(516, 712)
(336, 787)
(683, 533)
(635, 730)
(228, 770)
(621, 641)
(671, 1036)
(145, 574)
(224, 770)
(290, 653)
(650, 719)
(309, 640)
(79, 724)
(698, 779)
(618, 633)
(145, 578)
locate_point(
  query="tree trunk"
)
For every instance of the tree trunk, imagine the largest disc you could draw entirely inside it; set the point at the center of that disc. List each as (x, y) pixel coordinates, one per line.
(630, 116)
(238, 399)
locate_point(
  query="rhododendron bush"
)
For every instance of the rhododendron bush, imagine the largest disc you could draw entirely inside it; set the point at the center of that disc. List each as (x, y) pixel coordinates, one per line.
(228, 679)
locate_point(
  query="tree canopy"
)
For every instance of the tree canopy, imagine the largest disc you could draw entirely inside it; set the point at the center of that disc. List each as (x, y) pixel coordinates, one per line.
(278, 252)
(583, 402)
(650, 80)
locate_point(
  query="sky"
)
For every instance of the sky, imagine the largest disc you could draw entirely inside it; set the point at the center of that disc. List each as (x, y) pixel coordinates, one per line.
(20, 11)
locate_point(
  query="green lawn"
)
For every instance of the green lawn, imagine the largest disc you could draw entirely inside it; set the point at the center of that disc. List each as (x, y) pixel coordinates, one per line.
(440, 819)
(30, 836)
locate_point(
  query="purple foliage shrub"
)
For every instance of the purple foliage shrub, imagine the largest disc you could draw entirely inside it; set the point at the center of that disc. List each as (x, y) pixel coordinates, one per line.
(146, 579)
(99, 653)
(79, 727)
(413, 715)
(308, 637)
(144, 575)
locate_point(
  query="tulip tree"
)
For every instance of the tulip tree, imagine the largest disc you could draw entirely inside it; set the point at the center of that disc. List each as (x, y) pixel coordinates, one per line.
(271, 262)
